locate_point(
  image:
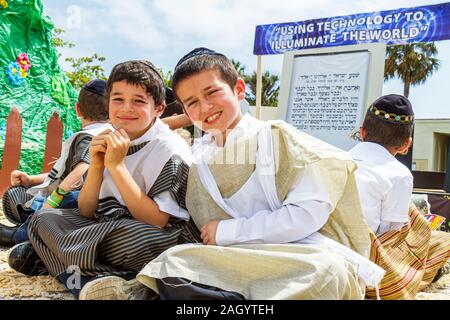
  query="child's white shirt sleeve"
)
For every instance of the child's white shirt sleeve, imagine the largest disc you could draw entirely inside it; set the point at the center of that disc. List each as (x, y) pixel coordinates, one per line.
(304, 211)
(167, 203)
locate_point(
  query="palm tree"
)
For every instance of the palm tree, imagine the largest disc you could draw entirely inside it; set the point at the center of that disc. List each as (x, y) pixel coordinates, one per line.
(270, 86)
(166, 76)
(413, 63)
(269, 91)
(240, 68)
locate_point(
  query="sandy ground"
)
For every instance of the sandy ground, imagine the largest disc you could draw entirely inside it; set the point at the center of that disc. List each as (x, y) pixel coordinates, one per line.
(16, 286)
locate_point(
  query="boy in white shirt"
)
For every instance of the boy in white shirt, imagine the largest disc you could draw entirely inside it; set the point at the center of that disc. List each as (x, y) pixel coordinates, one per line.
(384, 183)
(131, 206)
(404, 244)
(274, 220)
(59, 187)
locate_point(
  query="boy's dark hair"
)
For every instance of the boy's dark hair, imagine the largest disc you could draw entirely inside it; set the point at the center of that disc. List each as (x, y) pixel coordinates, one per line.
(138, 72)
(202, 59)
(172, 105)
(389, 121)
(92, 102)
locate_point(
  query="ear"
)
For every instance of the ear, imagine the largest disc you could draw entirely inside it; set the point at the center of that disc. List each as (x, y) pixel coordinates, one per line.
(160, 109)
(362, 132)
(77, 109)
(405, 147)
(239, 89)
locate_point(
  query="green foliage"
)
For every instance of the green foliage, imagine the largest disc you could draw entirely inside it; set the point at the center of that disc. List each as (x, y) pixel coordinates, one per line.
(240, 68)
(270, 86)
(167, 77)
(413, 63)
(85, 69)
(269, 91)
(58, 42)
(45, 90)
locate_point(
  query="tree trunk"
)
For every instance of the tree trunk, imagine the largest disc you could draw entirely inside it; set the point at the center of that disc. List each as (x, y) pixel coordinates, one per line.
(406, 89)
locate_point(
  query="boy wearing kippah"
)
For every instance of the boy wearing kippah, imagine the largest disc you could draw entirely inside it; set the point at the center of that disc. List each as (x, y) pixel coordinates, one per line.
(403, 243)
(131, 206)
(278, 210)
(60, 187)
(384, 183)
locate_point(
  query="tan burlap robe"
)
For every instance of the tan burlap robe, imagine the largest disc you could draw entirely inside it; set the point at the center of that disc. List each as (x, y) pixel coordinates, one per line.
(273, 271)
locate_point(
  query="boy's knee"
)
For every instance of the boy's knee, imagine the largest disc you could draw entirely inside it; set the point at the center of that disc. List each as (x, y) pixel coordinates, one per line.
(341, 281)
(38, 217)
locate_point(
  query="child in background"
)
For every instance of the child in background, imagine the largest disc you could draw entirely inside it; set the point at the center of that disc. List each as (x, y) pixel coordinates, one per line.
(175, 118)
(131, 207)
(274, 222)
(173, 107)
(403, 243)
(60, 187)
(384, 183)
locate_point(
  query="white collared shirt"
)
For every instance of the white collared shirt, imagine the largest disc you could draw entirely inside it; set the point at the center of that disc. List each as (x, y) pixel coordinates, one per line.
(304, 211)
(97, 125)
(385, 186)
(206, 145)
(146, 165)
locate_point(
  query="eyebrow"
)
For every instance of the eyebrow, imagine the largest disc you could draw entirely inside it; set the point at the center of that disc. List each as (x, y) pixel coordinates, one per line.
(191, 98)
(135, 95)
(140, 96)
(187, 100)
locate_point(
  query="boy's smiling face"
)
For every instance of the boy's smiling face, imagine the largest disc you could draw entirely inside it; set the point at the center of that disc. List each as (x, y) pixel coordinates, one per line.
(132, 109)
(210, 102)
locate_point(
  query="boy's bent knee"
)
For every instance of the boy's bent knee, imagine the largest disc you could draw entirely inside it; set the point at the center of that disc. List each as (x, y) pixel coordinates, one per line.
(340, 280)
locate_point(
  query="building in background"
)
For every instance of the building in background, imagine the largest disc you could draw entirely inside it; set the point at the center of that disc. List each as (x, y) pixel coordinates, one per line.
(431, 145)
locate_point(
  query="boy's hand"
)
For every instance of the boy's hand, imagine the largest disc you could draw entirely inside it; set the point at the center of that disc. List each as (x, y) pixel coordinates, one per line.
(208, 233)
(20, 178)
(97, 150)
(117, 143)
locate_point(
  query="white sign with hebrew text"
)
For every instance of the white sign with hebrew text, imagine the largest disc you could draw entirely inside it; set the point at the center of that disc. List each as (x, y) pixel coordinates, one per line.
(327, 95)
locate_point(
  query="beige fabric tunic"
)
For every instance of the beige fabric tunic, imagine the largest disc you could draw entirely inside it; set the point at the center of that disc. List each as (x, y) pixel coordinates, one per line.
(274, 271)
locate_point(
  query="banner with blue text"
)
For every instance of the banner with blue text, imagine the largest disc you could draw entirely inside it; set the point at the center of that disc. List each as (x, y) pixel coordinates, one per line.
(417, 24)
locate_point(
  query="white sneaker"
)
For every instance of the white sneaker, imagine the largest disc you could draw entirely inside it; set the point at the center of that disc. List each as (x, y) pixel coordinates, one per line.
(109, 288)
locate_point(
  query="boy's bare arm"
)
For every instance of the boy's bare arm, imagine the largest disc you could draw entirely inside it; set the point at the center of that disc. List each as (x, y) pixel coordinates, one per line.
(22, 178)
(88, 197)
(73, 179)
(177, 122)
(38, 179)
(140, 206)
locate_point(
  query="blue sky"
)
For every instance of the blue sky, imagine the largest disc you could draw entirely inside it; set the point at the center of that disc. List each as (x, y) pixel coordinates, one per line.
(164, 30)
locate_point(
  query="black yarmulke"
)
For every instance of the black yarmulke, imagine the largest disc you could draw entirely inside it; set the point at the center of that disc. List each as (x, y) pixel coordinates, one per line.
(198, 52)
(394, 103)
(393, 108)
(96, 86)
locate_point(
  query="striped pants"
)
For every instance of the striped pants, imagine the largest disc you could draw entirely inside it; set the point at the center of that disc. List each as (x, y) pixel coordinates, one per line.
(13, 197)
(63, 239)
